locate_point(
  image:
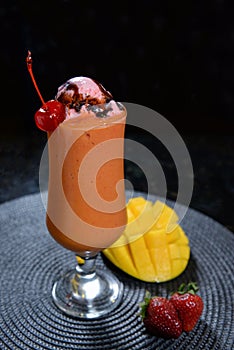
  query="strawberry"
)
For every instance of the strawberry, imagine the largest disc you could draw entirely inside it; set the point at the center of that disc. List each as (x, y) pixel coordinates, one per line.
(188, 304)
(160, 317)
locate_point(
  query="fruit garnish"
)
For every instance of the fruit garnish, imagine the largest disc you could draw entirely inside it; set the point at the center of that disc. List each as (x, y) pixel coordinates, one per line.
(147, 250)
(52, 113)
(188, 304)
(169, 317)
(160, 317)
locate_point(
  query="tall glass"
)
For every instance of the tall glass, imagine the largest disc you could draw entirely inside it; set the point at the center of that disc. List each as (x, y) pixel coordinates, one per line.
(86, 207)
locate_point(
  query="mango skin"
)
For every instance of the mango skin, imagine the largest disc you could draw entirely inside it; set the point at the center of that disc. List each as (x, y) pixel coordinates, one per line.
(153, 247)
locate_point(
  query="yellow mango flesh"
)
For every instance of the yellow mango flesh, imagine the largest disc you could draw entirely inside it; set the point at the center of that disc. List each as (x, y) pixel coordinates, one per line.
(153, 247)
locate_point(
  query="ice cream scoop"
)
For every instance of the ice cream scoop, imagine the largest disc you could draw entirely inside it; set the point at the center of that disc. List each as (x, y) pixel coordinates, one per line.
(80, 91)
(82, 94)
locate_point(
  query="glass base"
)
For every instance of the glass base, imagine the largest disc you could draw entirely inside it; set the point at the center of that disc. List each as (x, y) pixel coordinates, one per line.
(89, 296)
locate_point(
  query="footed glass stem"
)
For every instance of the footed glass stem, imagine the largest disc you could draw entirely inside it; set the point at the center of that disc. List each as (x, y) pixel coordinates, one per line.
(87, 293)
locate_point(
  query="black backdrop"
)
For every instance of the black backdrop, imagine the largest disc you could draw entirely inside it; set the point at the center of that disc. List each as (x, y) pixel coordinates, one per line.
(175, 57)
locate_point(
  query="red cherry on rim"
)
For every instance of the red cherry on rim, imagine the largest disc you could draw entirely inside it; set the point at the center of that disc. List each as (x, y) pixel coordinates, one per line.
(50, 115)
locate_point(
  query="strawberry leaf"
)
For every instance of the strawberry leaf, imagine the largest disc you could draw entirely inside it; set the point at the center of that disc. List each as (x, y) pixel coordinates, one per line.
(144, 304)
(191, 288)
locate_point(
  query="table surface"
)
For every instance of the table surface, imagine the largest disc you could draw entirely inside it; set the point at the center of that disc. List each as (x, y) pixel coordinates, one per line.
(212, 157)
(30, 320)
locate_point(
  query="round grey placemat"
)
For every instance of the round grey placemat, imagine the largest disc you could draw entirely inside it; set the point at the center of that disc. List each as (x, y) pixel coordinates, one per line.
(30, 261)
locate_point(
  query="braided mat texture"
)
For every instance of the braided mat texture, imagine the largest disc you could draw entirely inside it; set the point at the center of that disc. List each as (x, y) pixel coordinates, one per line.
(30, 262)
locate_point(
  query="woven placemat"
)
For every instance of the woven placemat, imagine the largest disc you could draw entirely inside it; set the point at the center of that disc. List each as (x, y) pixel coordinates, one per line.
(30, 262)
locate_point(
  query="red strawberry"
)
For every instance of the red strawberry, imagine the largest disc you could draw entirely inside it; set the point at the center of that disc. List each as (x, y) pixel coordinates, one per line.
(188, 304)
(160, 317)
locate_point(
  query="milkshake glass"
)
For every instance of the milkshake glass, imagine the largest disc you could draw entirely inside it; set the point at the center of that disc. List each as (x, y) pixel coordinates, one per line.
(86, 209)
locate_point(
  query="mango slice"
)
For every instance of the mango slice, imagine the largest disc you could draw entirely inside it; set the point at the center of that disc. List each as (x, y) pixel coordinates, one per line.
(153, 247)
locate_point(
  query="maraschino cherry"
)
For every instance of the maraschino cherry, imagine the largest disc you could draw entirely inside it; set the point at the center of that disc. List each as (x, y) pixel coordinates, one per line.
(52, 113)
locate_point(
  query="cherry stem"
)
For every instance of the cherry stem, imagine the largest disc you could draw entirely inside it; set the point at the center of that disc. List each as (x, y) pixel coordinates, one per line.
(29, 66)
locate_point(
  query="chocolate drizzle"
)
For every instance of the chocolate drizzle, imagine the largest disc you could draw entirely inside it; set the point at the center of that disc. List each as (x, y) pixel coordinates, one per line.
(69, 94)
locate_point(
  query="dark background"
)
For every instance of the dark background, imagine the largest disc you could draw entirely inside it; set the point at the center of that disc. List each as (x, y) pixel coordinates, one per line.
(174, 57)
